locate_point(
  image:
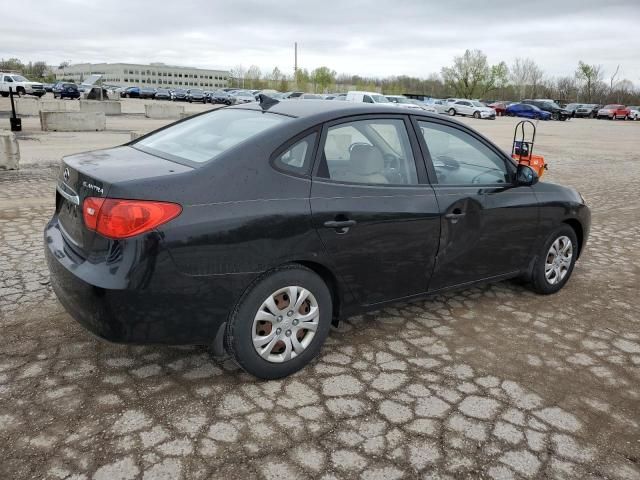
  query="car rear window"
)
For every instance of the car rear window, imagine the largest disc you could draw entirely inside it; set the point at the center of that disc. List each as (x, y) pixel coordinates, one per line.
(205, 137)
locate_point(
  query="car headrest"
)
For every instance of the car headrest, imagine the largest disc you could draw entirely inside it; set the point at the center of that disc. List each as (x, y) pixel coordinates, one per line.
(366, 160)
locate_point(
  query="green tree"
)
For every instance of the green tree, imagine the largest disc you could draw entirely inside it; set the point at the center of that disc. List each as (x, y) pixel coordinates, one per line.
(590, 76)
(11, 64)
(471, 76)
(302, 79)
(323, 77)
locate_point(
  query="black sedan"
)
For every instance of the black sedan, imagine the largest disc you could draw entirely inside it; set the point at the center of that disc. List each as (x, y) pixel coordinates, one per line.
(556, 111)
(179, 94)
(63, 90)
(147, 92)
(196, 95)
(163, 94)
(253, 228)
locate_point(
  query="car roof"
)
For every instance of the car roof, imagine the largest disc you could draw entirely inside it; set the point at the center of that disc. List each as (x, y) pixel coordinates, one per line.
(323, 110)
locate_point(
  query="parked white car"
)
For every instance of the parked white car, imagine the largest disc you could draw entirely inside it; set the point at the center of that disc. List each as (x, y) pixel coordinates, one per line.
(244, 97)
(402, 101)
(19, 85)
(634, 112)
(366, 97)
(441, 106)
(471, 108)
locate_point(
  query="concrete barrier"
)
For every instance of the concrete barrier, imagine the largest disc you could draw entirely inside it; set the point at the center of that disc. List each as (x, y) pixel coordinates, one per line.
(187, 114)
(59, 106)
(9, 151)
(108, 107)
(72, 121)
(136, 135)
(26, 106)
(163, 110)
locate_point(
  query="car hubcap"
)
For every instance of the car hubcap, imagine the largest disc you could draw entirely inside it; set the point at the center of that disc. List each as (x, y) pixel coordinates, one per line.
(285, 324)
(558, 260)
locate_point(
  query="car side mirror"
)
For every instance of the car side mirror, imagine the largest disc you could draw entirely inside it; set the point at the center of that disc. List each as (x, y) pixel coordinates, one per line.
(526, 176)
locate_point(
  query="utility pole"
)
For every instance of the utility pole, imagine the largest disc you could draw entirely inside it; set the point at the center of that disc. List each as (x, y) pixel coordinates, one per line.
(295, 59)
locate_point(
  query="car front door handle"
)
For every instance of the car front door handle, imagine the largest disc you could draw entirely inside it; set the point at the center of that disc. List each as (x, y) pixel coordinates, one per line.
(339, 223)
(454, 216)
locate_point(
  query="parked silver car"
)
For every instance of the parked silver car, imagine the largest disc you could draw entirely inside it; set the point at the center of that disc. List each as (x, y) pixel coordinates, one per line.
(471, 108)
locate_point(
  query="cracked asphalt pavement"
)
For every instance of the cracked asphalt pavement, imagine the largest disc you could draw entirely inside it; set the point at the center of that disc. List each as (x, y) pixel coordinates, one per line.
(489, 382)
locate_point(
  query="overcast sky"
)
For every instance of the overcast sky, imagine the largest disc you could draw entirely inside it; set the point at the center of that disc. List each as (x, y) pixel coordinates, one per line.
(374, 37)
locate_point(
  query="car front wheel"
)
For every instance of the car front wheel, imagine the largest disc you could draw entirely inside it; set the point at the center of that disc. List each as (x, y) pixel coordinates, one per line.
(555, 261)
(280, 323)
(452, 112)
(476, 114)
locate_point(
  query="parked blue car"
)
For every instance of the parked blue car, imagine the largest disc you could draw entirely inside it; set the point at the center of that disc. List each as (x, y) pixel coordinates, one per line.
(527, 111)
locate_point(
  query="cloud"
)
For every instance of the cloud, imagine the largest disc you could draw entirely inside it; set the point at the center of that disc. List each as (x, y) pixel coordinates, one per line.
(412, 37)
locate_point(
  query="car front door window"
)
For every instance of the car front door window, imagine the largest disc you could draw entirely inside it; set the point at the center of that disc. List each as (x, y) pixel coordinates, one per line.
(460, 159)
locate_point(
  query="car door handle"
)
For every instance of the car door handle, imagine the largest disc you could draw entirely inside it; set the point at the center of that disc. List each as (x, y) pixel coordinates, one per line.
(339, 223)
(454, 216)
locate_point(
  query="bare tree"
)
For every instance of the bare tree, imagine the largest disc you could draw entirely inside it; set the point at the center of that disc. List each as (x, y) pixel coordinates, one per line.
(536, 75)
(613, 78)
(520, 74)
(237, 74)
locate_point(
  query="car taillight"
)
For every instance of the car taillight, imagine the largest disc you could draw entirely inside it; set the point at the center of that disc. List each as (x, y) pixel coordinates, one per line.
(118, 218)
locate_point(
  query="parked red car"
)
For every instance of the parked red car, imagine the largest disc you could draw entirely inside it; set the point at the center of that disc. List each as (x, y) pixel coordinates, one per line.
(613, 112)
(499, 107)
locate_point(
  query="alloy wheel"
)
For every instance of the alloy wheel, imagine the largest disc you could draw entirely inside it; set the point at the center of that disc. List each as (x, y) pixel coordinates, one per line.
(285, 324)
(558, 261)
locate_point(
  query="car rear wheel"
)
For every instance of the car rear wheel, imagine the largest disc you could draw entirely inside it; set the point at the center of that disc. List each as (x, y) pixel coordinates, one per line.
(476, 114)
(452, 112)
(555, 262)
(280, 323)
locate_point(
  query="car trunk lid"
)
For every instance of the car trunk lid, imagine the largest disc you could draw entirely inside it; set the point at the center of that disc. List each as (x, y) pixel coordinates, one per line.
(93, 174)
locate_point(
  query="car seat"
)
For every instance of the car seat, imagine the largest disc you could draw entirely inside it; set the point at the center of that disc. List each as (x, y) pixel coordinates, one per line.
(366, 165)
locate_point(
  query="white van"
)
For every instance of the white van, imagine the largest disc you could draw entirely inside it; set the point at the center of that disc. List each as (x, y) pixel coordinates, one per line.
(366, 97)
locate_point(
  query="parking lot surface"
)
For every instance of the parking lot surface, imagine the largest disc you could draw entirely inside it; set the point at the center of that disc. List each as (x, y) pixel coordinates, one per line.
(489, 382)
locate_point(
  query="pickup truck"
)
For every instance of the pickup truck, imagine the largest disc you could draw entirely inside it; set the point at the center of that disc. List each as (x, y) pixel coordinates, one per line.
(20, 85)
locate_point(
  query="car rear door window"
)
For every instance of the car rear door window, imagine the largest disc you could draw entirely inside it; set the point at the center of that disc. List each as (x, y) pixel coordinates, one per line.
(460, 159)
(375, 151)
(297, 158)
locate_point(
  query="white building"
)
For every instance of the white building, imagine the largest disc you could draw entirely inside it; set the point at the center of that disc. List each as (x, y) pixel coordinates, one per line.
(152, 75)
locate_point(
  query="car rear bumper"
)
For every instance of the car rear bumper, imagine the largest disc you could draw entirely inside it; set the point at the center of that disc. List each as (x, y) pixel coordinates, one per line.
(139, 298)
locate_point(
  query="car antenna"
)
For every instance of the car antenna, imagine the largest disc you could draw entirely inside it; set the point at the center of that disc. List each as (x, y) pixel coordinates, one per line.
(267, 102)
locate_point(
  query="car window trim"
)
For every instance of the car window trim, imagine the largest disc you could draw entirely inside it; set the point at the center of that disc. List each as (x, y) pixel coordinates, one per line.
(509, 163)
(290, 143)
(413, 142)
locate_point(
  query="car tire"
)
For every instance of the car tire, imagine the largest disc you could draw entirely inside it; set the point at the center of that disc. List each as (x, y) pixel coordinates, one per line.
(452, 112)
(244, 325)
(555, 116)
(592, 115)
(548, 274)
(476, 115)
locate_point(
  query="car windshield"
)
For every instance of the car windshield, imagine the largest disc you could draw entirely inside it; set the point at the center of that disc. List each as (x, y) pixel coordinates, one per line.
(379, 99)
(552, 104)
(196, 90)
(163, 90)
(19, 78)
(205, 137)
(402, 100)
(612, 107)
(477, 104)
